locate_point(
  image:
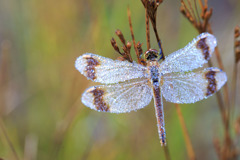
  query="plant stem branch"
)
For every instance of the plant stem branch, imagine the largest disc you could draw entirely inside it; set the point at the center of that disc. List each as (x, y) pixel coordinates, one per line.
(166, 152)
(147, 30)
(2, 127)
(187, 139)
(132, 34)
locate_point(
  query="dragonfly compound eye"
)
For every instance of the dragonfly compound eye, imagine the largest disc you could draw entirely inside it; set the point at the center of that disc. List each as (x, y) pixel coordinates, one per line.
(151, 54)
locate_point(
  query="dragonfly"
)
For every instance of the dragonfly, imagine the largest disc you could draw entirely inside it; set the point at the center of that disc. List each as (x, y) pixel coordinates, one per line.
(180, 78)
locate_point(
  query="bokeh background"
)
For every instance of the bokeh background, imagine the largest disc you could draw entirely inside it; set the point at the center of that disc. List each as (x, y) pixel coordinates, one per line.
(40, 107)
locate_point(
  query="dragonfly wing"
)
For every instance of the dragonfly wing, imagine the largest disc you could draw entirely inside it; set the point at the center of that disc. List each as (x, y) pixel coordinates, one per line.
(192, 56)
(192, 86)
(120, 97)
(107, 71)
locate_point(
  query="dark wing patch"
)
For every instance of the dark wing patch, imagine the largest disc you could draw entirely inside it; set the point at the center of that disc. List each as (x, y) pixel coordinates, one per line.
(201, 44)
(108, 71)
(192, 56)
(191, 87)
(90, 68)
(120, 97)
(212, 85)
(98, 100)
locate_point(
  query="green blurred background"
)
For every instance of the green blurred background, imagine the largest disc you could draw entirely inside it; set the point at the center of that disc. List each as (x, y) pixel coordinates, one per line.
(40, 89)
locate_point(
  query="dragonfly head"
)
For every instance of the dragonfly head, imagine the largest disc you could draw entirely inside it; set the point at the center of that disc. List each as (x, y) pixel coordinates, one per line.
(151, 55)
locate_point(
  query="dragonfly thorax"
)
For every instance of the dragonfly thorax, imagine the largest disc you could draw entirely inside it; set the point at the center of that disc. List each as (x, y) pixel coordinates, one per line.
(154, 72)
(151, 55)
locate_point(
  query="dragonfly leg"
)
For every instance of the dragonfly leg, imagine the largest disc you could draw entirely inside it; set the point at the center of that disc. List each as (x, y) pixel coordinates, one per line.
(160, 51)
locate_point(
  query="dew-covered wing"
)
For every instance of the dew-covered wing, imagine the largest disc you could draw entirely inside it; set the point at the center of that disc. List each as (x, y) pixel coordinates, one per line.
(192, 56)
(107, 71)
(192, 86)
(118, 98)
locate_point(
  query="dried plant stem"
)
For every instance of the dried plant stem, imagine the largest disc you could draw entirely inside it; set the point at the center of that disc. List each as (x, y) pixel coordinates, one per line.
(132, 34)
(185, 11)
(92, 138)
(147, 30)
(225, 87)
(159, 42)
(222, 109)
(190, 151)
(191, 10)
(151, 9)
(236, 48)
(234, 85)
(30, 147)
(64, 126)
(2, 127)
(201, 4)
(195, 5)
(228, 147)
(217, 146)
(219, 60)
(166, 152)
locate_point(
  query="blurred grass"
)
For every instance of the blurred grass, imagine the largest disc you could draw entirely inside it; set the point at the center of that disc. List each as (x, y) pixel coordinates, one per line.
(40, 88)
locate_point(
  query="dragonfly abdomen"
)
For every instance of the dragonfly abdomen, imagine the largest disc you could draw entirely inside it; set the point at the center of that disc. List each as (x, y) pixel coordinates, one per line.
(153, 68)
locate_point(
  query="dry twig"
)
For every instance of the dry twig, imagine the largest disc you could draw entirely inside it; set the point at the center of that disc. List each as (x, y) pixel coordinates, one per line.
(200, 24)
(187, 139)
(151, 9)
(2, 127)
(237, 44)
(235, 67)
(227, 150)
(126, 46)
